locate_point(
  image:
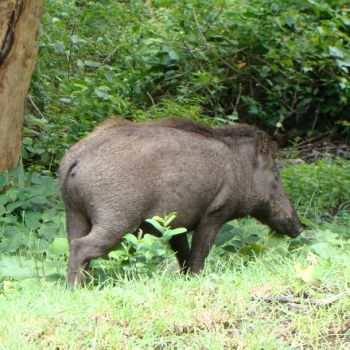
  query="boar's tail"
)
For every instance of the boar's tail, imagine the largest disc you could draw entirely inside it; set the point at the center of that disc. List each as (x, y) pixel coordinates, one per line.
(71, 171)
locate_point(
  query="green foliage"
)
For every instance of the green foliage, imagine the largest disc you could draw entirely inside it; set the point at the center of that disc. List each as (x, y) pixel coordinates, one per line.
(163, 226)
(31, 220)
(250, 239)
(320, 190)
(280, 65)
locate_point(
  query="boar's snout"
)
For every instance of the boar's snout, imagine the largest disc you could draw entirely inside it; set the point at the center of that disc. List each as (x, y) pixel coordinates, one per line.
(290, 227)
(296, 229)
(280, 215)
(283, 217)
(295, 232)
(290, 223)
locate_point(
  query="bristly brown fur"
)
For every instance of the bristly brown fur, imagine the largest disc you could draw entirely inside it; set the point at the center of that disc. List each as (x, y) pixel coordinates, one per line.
(109, 123)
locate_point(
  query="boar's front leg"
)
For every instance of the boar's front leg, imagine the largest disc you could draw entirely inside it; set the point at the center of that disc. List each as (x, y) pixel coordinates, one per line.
(179, 244)
(203, 238)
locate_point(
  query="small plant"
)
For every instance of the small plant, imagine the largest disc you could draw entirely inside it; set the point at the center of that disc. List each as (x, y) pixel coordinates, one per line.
(141, 252)
(163, 226)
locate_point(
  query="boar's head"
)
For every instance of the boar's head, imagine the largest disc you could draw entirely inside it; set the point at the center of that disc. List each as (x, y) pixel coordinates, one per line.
(271, 205)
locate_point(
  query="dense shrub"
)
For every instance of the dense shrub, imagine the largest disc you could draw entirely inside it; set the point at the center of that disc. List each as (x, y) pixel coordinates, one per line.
(279, 64)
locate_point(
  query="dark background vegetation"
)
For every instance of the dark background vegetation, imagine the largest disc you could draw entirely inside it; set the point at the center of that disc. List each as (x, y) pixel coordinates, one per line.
(282, 65)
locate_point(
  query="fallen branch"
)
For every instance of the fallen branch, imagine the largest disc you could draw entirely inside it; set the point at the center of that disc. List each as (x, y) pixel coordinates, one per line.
(313, 139)
(318, 302)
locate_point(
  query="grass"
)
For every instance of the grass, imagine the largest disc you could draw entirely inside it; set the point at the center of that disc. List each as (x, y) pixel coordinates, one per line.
(170, 311)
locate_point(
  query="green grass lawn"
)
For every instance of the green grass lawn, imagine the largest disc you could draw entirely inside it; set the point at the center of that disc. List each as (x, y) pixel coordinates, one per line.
(221, 309)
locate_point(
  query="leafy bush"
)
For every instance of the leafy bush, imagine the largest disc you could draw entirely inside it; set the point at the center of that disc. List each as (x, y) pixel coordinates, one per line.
(279, 64)
(32, 225)
(31, 215)
(141, 252)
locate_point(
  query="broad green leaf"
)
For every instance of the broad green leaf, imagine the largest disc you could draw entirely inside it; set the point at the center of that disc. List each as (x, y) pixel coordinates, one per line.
(131, 238)
(59, 47)
(168, 219)
(4, 199)
(177, 231)
(102, 92)
(74, 39)
(12, 206)
(151, 41)
(173, 55)
(91, 64)
(345, 62)
(32, 220)
(170, 233)
(38, 200)
(36, 179)
(324, 250)
(156, 225)
(278, 243)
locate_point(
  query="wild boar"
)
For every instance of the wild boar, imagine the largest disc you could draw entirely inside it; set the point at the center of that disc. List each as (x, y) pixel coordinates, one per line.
(124, 173)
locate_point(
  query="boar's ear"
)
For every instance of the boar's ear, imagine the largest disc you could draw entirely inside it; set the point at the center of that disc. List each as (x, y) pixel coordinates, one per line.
(262, 144)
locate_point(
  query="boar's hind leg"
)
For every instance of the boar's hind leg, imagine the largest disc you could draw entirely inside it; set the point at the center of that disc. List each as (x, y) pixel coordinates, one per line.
(78, 225)
(203, 238)
(179, 244)
(97, 243)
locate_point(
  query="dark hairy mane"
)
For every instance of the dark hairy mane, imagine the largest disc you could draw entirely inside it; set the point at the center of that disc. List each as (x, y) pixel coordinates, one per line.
(241, 130)
(186, 124)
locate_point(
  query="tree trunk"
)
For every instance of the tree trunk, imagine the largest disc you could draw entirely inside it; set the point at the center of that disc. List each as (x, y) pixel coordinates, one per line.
(19, 28)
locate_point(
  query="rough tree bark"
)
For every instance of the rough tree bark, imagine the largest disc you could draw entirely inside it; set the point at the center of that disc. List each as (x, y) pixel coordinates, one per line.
(19, 28)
